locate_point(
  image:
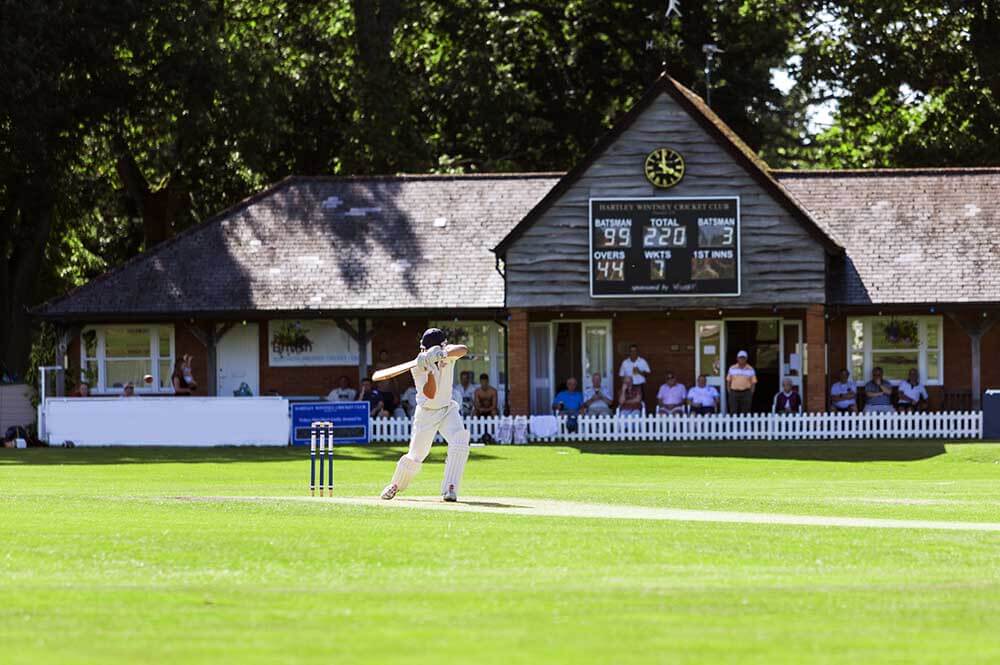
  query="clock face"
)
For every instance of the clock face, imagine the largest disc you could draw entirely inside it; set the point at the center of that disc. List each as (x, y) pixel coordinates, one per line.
(664, 167)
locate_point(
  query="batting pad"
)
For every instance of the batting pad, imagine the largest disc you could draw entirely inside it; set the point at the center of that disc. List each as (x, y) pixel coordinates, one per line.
(454, 465)
(406, 469)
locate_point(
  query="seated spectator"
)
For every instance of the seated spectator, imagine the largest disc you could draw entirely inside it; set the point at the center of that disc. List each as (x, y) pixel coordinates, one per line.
(82, 390)
(343, 392)
(468, 393)
(703, 398)
(630, 399)
(788, 399)
(912, 393)
(844, 394)
(878, 394)
(390, 404)
(670, 399)
(485, 399)
(635, 367)
(409, 401)
(569, 401)
(128, 390)
(596, 400)
(370, 394)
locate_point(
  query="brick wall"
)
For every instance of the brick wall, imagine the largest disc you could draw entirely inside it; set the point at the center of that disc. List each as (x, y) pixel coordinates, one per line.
(667, 343)
(518, 363)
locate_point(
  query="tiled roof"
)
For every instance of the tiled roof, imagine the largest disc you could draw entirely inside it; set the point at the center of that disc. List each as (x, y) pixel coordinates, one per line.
(347, 244)
(911, 235)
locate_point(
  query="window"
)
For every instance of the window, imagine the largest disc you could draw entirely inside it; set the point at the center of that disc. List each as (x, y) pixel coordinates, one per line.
(897, 345)
(111, 356)
(485, 340)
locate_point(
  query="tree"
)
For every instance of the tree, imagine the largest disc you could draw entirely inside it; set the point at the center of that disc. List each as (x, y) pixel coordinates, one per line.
(915, 82)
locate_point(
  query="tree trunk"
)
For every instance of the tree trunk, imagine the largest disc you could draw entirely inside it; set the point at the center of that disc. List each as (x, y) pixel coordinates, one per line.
(28, 224)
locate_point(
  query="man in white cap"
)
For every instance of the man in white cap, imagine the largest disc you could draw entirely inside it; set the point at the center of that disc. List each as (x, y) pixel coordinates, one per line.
(741, 381)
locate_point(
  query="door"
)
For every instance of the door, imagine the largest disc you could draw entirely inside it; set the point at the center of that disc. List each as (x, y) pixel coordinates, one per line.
(597, 353)
(760, 338)
(709, 352)
(238, 360)
(792, 360)
(541, 366)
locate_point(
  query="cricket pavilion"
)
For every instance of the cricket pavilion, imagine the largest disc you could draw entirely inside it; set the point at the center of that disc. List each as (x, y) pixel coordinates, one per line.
(671, 234)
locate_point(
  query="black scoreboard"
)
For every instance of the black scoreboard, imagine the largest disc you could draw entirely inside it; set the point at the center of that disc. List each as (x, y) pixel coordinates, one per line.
(649, 247)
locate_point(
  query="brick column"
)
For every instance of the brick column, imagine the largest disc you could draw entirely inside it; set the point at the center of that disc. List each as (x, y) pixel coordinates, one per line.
(816, 339)
(518, 363)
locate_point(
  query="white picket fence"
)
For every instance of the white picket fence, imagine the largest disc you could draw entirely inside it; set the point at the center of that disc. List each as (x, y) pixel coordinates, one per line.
(728, 427)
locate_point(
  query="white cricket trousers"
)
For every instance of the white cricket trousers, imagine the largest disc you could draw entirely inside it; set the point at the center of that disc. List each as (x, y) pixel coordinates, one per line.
(426, 424)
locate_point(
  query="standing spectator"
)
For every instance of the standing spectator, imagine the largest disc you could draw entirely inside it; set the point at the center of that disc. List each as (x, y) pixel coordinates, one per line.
(634, 367)
(468, 393)
(179, 380)
(878, 393)
(912, 393)
(787, 400)
(703, 398)
(343, 392)
(597, 400)
(844, 393)
(630, 399)
(485, 399)
(568, 401)
(370, 394)
(188, 373)
(741, 381)
(671, 396)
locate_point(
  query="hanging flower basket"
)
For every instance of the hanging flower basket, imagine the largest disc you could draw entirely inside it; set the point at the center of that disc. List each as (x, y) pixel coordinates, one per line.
(904, 333)
(291, 338)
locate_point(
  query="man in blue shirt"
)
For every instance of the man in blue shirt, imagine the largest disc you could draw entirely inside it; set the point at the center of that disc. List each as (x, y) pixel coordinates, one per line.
(568, 401)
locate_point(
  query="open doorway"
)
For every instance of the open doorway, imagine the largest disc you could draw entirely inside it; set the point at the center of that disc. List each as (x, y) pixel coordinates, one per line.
(568, 359)
(760, 338)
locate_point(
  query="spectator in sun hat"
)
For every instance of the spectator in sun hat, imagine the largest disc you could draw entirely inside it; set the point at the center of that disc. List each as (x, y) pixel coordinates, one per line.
(741, 380)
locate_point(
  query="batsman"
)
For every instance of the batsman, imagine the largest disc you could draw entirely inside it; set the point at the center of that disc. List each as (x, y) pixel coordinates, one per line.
(433, 375)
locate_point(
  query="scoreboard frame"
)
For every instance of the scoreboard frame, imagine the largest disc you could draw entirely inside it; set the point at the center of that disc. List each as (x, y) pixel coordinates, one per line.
(738, 246)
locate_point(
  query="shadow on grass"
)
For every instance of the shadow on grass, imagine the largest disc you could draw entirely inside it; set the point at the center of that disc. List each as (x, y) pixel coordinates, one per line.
(221, 455)
(822, 451)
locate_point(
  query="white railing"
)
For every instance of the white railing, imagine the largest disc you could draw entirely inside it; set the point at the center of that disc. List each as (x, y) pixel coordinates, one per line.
(727, 427)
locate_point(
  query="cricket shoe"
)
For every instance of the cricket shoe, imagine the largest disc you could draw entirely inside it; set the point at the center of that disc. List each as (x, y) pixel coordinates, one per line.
(450, 495)
(390, 491)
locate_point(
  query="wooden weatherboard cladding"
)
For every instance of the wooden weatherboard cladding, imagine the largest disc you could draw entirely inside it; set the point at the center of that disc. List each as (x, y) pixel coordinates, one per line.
(547, 263)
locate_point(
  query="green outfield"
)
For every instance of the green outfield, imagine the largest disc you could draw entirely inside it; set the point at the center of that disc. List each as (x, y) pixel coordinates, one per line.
(126, 555)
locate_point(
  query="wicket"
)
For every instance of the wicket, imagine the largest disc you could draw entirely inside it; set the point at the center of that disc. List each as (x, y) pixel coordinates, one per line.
(321, 439)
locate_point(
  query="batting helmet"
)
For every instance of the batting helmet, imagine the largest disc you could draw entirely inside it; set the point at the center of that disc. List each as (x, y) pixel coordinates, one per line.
(432, 337)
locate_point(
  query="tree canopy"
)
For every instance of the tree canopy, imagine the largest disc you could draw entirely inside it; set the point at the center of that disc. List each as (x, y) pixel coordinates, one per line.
(123, 122)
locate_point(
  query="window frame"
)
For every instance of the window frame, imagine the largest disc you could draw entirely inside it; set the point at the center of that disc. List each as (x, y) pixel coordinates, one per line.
(101, 358)
(922, 349)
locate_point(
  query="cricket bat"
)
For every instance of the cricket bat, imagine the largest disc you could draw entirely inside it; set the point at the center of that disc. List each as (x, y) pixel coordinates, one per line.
(395, 370)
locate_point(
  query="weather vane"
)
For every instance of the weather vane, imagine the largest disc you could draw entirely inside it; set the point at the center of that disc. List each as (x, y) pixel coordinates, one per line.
(674, 7)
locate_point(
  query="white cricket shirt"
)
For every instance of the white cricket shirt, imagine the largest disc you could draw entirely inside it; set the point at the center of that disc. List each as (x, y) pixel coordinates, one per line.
(444, 378)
